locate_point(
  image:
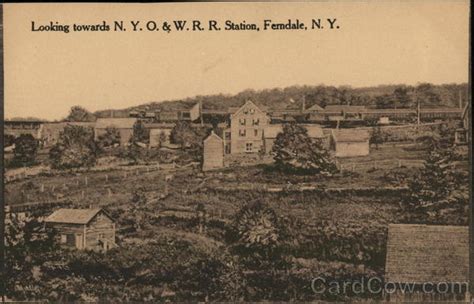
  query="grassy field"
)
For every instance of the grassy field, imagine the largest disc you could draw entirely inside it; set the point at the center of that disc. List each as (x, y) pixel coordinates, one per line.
(338, 228)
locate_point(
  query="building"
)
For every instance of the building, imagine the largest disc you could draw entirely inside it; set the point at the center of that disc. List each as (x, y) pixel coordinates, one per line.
(350, 142)
(22, 127)
(52, 131)
(213, 151)
(247, 125)
(123, 125)
(159, 133)
(346, 111)
(272, 130)
(182, 114)
(91, 229)
(436, 255)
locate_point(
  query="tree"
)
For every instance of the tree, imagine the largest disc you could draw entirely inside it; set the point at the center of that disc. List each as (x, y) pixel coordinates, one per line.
(294, 150)
(9, 140)
(258, 233)
(110, 138)
(183, 134)
(25, 150)
(376, 137)
(401, 97)
(433, 185)
(28, 245)
(78, 113)
(75, 148)
(140, 133)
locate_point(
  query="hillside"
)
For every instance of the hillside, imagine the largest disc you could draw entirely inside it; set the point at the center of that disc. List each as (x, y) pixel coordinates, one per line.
(291, 98)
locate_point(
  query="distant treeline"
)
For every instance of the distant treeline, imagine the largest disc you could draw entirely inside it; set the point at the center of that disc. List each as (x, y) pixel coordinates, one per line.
(383, 96)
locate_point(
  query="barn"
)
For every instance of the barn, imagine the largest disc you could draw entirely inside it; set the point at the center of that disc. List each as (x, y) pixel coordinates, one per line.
(213, 157)
(433, 259)
(350, 142)
(90, 229)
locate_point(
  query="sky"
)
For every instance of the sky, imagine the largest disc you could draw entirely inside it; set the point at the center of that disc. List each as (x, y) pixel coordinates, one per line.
(378, 42)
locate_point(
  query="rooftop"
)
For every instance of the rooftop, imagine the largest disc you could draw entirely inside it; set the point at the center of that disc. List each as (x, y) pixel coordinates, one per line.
(350, 135)
(118, 123)
(427, 253)
(73, 216)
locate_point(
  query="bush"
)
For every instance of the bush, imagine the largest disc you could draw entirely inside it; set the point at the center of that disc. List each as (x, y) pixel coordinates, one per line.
(26, 147)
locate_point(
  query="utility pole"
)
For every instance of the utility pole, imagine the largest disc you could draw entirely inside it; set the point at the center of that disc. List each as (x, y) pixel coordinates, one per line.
(303, 106)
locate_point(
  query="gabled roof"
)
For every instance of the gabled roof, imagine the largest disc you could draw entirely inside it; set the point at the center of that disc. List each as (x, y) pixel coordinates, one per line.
(74, 216)
(118, 123)
(427, 253)
(315, 107)
(350, 135)
(248, 102)
(213, 136)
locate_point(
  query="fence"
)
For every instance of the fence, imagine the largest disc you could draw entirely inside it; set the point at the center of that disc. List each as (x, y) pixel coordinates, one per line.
(381, 164)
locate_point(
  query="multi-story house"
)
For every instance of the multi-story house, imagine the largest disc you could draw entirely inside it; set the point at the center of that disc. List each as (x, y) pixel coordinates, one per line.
(247, 125)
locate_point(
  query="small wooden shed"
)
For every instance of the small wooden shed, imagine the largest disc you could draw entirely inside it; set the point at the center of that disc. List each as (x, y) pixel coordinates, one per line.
(91, 229)
(433, 259)
(350, 142)
(213, 157)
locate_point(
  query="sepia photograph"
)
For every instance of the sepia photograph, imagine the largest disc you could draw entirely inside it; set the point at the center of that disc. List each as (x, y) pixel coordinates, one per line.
(236, 152)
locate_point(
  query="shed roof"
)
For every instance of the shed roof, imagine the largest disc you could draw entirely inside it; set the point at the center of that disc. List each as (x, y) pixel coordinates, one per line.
(350, 135)
(427, 253)
(73, 216)
(118, 123)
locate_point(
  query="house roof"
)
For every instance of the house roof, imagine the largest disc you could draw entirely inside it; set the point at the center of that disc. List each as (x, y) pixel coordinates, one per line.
(118, 123)
(213, 135)
(73, 216)
(427, 253)
(314, 131)
(159, 126)
(345, 108)
(315, 107)
(350, 135)
(248, 102)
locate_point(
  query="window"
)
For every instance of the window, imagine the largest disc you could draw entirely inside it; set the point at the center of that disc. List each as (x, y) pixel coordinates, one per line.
(246, 111)
(63, 239)
(255, 122)
(242, 132)
(252, 111)
(70, 240)
(248, 147)
(242, 121)
(227, 149)
(255, 132)
(227, 135)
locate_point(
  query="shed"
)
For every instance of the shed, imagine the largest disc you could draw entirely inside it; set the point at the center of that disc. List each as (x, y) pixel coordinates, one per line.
(213, 151)
(123, 125)
(428, 254)
(350, 142)
(91, 229)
